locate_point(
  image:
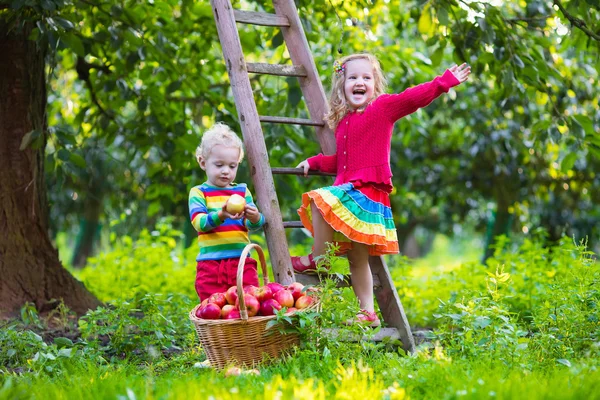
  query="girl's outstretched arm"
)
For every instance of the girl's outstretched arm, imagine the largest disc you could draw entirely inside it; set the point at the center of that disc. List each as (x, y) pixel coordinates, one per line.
(396, 106)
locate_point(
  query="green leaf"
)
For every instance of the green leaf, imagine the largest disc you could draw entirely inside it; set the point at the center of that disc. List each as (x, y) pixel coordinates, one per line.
(173, 86)
(74, 43)
(77, 160)
(65, 23)
(564, 361)
(586, 123)
(63, 342)
(64, 154)
(425, 24)
(28, 138)
(442, 15)
(518, 62)
(568, 162)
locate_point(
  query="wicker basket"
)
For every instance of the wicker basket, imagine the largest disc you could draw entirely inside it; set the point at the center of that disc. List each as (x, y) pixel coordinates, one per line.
(244, 342)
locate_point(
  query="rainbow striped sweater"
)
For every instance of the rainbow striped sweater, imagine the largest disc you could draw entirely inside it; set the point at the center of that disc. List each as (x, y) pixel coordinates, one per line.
(218, 239)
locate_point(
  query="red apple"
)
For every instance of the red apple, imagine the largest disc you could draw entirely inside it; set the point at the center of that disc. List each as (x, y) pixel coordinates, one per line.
(296, 289)
(231, 295)
(250, 289)
(227, 309)
(291, 310)
(252, 305)
(275, 287)
(269, 307)
(235, 204)
(285, 298)
(233, 314)
(303, 302)
(204, 302)
(263, 293)
(218, 299)
(210, 311)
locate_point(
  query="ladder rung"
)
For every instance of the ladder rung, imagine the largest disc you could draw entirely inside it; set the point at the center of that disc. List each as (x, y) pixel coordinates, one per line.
(285, 120)
(259, 18)
(299, 171)
(276, 69)
(391, 333)
(292, 224)
(315, 280)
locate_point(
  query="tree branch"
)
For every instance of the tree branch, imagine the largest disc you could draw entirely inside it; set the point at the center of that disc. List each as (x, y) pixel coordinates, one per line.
(577, 22)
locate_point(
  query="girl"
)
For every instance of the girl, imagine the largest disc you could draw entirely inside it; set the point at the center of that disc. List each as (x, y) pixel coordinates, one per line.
(355, 212)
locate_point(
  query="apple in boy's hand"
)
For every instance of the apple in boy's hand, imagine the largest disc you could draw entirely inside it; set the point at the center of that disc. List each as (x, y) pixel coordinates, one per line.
(231, 295)
(285, 298)
(269, 307)
(235, 204)
(218, 298)
(252, 305)
(210, 311)
(275, 287)
(263, 293)
(303, 302)
(296, 289)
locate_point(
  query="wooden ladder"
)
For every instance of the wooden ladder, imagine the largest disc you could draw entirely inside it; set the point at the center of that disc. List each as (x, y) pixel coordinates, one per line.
(287, 19)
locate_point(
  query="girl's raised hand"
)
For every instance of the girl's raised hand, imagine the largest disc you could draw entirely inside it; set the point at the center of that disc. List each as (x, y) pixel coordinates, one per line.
(305, 166)
(461, 72)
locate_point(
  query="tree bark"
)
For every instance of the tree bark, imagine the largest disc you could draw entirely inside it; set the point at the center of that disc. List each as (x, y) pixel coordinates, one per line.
(30, 270)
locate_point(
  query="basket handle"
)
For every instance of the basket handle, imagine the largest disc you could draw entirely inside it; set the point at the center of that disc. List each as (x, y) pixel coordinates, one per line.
(240, 275)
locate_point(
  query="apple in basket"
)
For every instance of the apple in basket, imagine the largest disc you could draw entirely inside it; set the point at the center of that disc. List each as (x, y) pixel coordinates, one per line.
(233, 314)
(291, 310)
(250, 289)
(227, 309)
(235, 204)
(303, 302)
(252, 305)
(210, 311)
(231, 295)
(263, 293)
(296, 289)
(275, 287)
(285, 298)
(218, 298)
(269, 307)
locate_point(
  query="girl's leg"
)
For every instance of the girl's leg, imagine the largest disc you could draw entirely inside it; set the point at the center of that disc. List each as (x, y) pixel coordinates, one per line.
(323, 234)
(362, 280)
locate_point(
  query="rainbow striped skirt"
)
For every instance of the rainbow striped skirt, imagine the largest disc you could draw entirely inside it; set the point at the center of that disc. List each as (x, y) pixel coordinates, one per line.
(356, 214)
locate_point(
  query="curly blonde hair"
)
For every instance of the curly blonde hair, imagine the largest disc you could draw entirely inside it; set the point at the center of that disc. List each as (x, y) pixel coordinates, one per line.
(218, 134)
(338, 106)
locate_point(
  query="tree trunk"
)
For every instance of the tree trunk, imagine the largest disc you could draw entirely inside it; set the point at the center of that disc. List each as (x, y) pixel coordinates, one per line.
(30, 270)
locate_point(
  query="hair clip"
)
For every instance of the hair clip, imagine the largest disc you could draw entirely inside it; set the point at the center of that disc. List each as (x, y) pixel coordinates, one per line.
(338, 67)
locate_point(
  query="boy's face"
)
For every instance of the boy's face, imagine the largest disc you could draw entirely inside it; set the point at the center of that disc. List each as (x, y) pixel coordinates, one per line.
(359, 83)
(221, 165)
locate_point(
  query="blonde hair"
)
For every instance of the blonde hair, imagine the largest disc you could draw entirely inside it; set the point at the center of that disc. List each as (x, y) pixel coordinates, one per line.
(218, 134)
(337, 100)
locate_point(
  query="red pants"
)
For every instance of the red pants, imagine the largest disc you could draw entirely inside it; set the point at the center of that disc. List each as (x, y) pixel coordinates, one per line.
(214, 276)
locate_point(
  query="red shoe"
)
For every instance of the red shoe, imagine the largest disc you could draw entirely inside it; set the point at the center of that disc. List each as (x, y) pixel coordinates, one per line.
(300, 268)
(366, 318)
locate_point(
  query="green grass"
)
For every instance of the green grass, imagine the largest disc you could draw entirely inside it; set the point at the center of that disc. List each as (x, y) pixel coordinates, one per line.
(525, 326)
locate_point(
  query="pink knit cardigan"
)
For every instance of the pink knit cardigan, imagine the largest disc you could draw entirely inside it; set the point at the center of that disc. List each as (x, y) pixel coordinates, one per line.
(363, 139)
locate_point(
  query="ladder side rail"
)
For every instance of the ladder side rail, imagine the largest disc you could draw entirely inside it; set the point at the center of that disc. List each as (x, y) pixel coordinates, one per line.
(258, 158)
(389, 302)
(312, 88)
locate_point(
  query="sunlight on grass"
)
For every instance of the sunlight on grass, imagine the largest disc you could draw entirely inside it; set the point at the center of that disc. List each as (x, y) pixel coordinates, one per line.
(446, 255)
